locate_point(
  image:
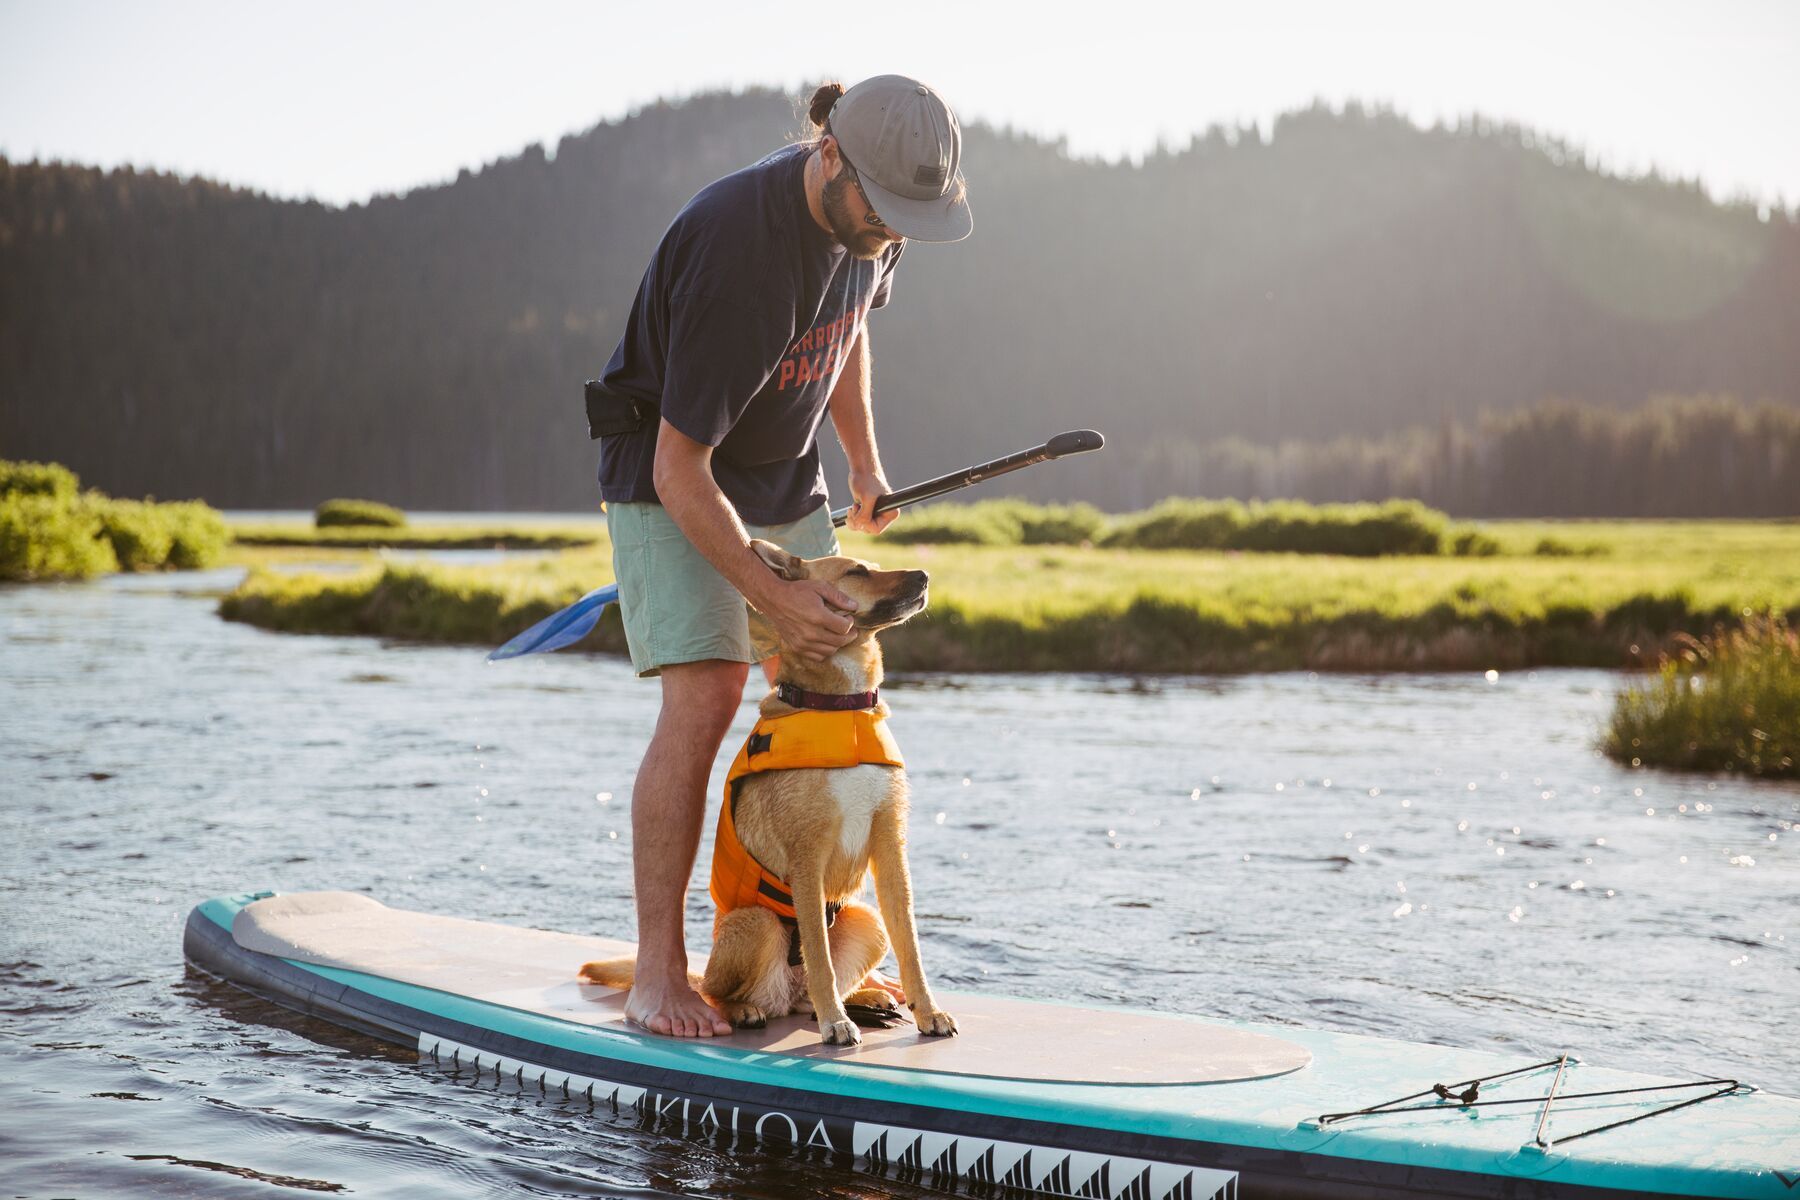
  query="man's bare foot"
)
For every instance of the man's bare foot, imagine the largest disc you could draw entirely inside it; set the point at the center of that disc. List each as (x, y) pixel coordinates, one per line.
(875, 979)
(673, 1010)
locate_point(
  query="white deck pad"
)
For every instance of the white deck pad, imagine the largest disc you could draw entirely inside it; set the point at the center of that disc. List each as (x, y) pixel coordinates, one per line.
(534, 971)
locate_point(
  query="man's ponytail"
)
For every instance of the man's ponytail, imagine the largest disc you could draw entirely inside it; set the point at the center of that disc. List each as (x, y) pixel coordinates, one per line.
(822, 101)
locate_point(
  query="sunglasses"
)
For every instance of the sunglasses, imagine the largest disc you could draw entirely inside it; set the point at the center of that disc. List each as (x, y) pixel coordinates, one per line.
(856, 181)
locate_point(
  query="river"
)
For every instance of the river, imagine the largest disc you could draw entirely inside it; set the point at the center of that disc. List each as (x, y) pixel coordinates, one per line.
(1428, 857)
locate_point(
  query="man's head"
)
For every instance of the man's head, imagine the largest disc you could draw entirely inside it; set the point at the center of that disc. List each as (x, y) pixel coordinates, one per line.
(890, 150)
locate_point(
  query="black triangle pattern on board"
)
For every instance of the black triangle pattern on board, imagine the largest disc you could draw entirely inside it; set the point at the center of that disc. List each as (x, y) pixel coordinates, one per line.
(1098, 1186)
(982, 1169)
(877, 1153)
(1020, 1175)
(1139, 1188)
(946, 1162)
(909, 1161)
(1058, 1179)
(1181, 1191)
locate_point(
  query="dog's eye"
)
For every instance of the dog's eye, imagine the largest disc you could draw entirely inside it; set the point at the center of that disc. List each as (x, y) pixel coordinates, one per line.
(859, 572)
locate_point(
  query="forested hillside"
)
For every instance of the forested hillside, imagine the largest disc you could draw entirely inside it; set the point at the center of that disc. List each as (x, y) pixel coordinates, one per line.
(1348, 277)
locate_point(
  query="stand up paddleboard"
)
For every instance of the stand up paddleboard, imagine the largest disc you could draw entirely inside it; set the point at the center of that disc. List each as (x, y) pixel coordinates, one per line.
(1035, 1097)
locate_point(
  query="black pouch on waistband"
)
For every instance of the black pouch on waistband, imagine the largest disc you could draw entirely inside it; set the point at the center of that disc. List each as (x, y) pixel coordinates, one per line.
(610, 412)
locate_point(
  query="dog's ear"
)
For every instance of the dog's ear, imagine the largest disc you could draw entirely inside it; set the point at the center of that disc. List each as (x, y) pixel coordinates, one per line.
(786, 565)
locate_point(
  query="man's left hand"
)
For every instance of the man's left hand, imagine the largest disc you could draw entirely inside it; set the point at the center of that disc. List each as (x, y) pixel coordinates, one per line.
(866, 487)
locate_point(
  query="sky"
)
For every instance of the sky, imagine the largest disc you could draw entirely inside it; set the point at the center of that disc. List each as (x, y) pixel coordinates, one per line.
(339, 101)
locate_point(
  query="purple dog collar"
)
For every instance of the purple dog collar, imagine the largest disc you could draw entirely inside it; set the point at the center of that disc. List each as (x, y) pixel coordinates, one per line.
(798, 697)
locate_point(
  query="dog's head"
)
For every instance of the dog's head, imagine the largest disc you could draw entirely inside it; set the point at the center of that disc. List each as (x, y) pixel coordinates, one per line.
(883, 598)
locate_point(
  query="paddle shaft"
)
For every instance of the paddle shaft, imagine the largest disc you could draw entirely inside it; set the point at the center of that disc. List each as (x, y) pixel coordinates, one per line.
(1077, 441)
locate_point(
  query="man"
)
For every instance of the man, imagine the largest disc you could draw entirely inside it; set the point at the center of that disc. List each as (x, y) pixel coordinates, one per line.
(749, 326)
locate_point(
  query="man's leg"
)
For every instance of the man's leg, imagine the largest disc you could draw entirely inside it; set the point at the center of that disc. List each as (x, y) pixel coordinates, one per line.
(668, 804)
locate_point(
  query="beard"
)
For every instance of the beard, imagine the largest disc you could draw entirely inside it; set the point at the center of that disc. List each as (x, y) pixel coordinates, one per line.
(861, 240)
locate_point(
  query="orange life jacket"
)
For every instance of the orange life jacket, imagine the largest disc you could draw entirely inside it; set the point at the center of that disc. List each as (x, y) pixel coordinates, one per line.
(806, 738)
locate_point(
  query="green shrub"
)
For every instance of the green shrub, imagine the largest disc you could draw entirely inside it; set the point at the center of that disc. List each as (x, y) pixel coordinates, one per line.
(991, 523)
(357, 512)
(1472, 543)
(51, 530)
(1285, 526)
(1055, 524)
(198, 534)
(1358, 530)
(1726, 702)
(1549, 547)
(1000, 523)
(47, 537)
(146, 536)
(38, 479)
(139, 532)
(1178, 524)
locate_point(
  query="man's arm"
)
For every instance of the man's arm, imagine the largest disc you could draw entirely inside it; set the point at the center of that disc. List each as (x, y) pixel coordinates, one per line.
(854, 420)
(798, 609)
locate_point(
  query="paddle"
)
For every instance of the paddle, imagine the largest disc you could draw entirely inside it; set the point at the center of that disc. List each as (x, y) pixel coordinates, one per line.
(573, 623)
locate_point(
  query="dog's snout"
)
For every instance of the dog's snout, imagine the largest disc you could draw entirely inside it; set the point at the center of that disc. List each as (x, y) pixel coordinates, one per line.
(917, 578)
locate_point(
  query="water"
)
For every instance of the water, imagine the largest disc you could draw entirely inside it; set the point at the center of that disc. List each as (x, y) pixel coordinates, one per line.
(1422, 857)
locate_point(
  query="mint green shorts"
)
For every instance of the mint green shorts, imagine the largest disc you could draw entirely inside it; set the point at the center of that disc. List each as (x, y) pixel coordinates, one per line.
(677, 608)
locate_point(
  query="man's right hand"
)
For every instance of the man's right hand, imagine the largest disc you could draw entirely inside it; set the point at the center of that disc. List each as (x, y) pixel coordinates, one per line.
(809, 616)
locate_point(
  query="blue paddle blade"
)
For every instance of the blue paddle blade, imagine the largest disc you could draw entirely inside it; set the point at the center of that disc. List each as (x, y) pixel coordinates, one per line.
(560, 629)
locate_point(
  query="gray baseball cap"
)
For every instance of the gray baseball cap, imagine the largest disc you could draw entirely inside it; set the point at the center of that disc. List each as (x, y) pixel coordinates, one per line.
(906, 148)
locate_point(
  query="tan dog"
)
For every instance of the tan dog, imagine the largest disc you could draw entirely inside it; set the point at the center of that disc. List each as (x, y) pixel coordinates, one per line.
(817, 832)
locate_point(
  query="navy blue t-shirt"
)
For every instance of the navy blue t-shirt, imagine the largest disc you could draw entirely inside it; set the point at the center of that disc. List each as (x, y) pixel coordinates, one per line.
(739, 330)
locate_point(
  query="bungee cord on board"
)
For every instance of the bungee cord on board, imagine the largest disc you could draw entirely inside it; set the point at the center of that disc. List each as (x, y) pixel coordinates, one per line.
(1466, 1095)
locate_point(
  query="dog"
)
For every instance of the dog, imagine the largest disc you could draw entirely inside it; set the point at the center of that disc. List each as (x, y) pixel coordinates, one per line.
(796, 839)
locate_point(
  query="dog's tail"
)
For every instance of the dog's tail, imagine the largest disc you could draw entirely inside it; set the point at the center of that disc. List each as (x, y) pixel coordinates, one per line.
(610, 972)
(619, 973)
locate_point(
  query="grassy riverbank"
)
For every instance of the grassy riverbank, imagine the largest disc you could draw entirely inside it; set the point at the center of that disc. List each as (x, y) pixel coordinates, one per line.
(415, 537)
(1635, 587)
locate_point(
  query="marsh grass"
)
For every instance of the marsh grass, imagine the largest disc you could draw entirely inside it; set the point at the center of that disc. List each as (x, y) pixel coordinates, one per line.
(1073, 608)
(414, 537)
(421, 602)
(1000, 523)
(1285, 527)
(1398, 527)
(337, 513)
(1728, 701)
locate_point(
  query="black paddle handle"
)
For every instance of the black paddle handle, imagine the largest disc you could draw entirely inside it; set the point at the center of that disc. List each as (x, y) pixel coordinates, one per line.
(1076, 441)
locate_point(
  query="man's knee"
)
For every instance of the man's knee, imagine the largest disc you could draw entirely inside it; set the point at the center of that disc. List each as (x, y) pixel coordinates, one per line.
(701, 698)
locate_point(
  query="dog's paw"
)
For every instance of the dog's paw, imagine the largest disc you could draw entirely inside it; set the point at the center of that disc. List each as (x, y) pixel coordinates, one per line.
(743, 1015)
(872, 1016)
(840, 1033)
(872, 997)
(935, 1022)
